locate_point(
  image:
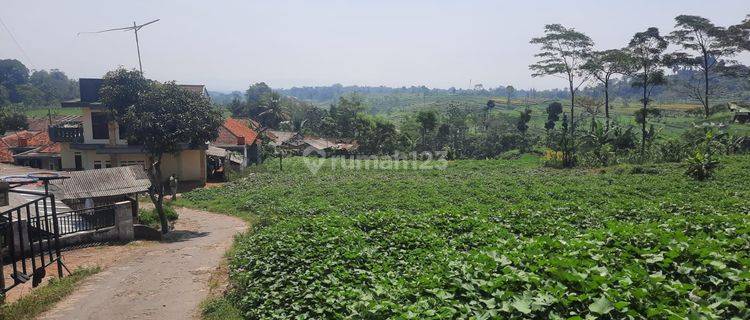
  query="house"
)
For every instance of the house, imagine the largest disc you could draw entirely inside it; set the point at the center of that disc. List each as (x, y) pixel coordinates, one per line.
(236, 135)
(95, 142)
(30, 148)
(741, 112)
(299, 144)
(44, 157)
(6, 156)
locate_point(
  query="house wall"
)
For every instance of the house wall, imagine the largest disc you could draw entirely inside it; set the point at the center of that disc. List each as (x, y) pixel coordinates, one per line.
(188, 165)
(88, 130)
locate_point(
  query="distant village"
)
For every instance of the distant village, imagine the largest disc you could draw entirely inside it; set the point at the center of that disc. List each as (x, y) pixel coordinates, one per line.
(86, 142)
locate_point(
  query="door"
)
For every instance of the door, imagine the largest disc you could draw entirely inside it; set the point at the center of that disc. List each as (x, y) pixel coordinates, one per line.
(79, 162)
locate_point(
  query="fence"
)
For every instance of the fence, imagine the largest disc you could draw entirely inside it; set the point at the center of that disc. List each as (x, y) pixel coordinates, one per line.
(84, 219)
(30, 233)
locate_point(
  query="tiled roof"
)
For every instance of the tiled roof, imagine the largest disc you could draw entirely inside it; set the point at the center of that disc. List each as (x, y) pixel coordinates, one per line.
(102, 183)
(50, 150)
(32, 138)
(5, 155)
(41, 124)
(234, 129)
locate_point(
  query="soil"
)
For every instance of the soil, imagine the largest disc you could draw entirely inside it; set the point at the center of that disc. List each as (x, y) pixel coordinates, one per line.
(164, 280)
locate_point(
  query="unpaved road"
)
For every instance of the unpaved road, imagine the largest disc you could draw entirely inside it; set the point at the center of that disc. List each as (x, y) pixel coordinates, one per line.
(163, 281)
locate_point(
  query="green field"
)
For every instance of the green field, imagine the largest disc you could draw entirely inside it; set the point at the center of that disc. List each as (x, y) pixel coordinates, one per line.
(489, 239)
(42, 112)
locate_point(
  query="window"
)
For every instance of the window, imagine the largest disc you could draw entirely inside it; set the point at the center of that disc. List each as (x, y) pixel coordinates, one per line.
(122, 131)
(99, 125)
(97, 164)
(108, 164)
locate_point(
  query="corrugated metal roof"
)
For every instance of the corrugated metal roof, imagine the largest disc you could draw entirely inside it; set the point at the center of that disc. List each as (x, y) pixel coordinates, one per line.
(102, 183)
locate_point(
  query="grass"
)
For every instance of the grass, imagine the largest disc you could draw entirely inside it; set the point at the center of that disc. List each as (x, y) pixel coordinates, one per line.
(43, 112)
(43, 298)
(487, 239)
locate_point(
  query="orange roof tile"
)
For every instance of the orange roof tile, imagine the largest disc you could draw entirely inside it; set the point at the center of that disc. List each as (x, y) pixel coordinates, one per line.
(240, 129)
(5, 155)
(31, 138)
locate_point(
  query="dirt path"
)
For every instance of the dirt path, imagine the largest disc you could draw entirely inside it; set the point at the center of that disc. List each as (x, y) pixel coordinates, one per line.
(163, 281)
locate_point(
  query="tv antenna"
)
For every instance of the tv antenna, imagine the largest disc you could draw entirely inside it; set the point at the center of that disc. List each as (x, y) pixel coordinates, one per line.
(135, 29)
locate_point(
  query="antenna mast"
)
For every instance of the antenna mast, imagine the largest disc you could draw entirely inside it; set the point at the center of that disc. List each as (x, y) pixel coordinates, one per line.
(135, 29)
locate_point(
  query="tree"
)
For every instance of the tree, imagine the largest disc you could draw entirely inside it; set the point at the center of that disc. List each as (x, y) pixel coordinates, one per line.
(509, 92)
(522, 125)
(4, 96)
(603, 65)
(705, 44)
(490, 104)
(427, 121)
(591, 106)
(553, 115)
(646, 49)
(12, 121)
(29, 95)
(165, 120)
(13, 73)
(122, 88)
(55, 85)
(563, 53)
(257, 94)
(272, 113)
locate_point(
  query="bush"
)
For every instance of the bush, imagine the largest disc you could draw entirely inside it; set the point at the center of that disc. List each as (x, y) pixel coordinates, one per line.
(702, 164)
(151, 217)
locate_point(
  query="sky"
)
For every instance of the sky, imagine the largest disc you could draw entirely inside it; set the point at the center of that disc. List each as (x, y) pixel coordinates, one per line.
(228, 45)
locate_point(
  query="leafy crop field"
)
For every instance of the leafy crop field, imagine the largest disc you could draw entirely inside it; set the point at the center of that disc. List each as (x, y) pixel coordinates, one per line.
(489, 239)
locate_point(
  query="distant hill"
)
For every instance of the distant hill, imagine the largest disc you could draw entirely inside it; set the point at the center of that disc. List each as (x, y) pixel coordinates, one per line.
(225, 98)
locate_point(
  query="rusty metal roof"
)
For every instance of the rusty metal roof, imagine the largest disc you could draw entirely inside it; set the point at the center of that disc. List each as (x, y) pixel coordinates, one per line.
(102, 183)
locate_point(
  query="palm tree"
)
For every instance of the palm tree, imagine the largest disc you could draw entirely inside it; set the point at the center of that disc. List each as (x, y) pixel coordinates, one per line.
(273, 113)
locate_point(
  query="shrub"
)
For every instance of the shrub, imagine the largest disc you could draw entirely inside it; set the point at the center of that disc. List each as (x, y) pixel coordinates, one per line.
(151, 217)
(702, 164)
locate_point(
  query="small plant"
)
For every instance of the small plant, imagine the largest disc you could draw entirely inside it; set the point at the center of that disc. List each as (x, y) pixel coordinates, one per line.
(151, 217)
(702, 164)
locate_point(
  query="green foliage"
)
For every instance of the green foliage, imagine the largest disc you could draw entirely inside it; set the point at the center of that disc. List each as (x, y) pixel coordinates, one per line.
(13, 121)
(151, 217)
(490, 239)
(702, 164)
(220, 309)
(121, 89)
(167, 117)
(42, 299)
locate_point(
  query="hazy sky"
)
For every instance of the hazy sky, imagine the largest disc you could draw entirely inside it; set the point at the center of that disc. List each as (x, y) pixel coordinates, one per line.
(229, 44)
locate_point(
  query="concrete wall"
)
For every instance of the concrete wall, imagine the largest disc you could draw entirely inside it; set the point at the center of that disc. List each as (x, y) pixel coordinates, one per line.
(88, 131)
(122, 232)
(188, 165)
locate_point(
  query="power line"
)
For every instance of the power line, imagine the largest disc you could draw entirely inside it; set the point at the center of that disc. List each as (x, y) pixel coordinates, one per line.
(20, 48)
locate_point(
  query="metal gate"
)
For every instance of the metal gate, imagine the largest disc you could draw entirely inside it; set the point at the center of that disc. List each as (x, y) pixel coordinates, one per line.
(30, 240)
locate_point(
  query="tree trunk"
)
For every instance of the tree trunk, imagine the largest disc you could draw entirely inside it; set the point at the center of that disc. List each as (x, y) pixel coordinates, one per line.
(705, 79)
(644, 115)
(606, 102)
(157, 193)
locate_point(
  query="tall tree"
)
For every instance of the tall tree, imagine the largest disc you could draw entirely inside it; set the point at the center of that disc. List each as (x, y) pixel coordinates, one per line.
(603, 65)
(121, 89)
(12, 74)
(522, 125)
(647, 49)
(273, 113)
(563, 53)
(165, 120)
(427, 122)
(705, 45)
(509, 92)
